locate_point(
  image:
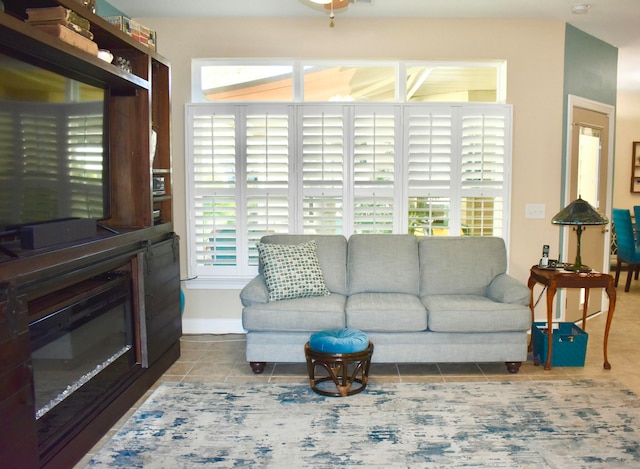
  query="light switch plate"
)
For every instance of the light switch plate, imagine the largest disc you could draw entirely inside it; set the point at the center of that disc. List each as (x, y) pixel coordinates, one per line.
(534, 211)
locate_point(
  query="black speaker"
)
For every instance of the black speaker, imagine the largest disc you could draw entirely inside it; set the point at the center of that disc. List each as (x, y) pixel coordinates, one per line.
(50, 233)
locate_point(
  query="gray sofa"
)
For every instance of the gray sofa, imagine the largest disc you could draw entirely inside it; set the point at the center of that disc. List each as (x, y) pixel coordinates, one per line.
(420, 300)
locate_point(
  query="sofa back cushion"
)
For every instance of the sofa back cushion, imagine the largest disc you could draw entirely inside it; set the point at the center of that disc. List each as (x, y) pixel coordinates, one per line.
(332, 256)
(460, 265)
(383, 263)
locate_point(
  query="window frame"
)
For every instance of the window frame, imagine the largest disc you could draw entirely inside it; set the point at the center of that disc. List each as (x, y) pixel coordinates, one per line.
(296, 191)
(400, 68)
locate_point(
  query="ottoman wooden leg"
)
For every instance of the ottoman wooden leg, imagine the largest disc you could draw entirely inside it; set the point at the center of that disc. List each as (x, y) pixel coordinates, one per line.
(338, 371)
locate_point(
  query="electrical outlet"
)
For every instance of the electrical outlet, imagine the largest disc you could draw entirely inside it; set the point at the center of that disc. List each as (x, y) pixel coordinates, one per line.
(534, 211)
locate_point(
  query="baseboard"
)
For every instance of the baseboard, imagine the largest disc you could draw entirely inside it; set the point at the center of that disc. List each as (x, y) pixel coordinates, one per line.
(212, 326)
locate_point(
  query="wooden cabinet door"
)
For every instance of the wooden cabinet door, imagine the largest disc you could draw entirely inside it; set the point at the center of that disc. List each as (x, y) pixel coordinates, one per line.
(162, 297)
(18, 444)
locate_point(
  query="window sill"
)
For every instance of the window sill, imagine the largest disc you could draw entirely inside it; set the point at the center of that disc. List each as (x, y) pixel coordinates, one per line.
(216, 283)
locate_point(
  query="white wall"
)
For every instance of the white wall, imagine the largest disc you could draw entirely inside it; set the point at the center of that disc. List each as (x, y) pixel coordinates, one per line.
(627, 132)
(534, 51)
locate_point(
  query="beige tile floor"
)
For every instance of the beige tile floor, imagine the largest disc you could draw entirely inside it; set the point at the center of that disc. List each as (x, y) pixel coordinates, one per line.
(220, 358)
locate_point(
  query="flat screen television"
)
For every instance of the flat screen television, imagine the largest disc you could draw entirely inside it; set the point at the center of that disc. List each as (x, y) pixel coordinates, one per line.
(53, 144)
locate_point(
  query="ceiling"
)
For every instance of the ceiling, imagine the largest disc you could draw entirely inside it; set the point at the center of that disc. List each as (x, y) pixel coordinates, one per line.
(616, 22)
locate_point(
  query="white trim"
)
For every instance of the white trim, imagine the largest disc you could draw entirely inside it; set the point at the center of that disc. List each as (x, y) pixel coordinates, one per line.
(577, 101)
(212, 326)
(213, 283)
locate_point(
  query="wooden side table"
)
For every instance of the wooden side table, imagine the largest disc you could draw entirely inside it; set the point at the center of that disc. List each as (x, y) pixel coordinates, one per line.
(554, 279)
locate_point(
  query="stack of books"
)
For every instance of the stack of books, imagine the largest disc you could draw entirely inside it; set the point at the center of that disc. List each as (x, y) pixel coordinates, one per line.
(64, 24)
(137, 31)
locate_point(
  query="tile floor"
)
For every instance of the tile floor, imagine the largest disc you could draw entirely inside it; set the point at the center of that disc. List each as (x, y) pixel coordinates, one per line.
(220, 358)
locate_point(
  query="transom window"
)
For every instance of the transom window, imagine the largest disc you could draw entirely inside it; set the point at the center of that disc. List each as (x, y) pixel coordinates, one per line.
(314, 81)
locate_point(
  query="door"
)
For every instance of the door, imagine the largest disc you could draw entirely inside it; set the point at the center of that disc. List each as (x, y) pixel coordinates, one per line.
(589, 178)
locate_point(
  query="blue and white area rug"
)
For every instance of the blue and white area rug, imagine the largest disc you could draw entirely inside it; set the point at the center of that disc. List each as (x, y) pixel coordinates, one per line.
(545, 424)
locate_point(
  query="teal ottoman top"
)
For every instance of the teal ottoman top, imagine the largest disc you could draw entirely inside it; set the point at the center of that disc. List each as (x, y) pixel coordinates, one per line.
(339, 341)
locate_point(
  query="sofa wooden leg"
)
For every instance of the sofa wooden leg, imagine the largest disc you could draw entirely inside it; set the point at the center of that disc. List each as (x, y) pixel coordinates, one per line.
(257, 367)
(513, 367)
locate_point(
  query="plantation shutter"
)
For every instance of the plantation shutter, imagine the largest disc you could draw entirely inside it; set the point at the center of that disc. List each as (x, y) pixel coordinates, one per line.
(430, 161)
(485, 143)
(213, 187)
(256, 169)
(322, 175)
(267, 175)
(375, 130)
(240, 184)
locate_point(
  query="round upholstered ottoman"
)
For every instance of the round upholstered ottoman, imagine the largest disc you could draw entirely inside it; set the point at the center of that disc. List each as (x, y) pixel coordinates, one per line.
(345, 354)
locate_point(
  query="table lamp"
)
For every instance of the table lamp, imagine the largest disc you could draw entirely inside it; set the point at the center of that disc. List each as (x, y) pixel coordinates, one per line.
(579, 213)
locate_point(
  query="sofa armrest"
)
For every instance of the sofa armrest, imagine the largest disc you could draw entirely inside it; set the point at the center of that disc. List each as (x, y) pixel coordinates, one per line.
(255, 292)
(506, 289)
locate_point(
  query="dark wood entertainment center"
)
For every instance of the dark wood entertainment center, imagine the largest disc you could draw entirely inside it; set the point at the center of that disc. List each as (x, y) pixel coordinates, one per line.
(135, 241)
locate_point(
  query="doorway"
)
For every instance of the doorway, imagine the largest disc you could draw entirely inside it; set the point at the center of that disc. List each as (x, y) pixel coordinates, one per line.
(590, 176)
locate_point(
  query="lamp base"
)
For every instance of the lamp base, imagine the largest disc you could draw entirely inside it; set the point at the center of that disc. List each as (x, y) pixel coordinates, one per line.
(577, 268)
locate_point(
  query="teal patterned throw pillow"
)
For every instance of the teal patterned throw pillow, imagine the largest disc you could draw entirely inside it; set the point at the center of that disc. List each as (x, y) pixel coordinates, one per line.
(292, 271)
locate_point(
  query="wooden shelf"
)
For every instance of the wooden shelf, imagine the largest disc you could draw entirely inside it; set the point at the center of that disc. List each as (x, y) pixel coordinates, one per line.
(35, 282)
(60, 56)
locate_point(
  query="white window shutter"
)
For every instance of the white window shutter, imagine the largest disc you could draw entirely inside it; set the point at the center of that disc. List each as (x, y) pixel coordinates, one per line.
(267, 174)
(485, 145)
(336, 168)
(429, 148)
(214, 225)
(322, 150)
(375, 130)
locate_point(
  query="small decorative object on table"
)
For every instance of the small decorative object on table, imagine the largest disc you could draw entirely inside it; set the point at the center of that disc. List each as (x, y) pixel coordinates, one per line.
(346, 356)
(90, 4)
(106, 55)
(123, 63)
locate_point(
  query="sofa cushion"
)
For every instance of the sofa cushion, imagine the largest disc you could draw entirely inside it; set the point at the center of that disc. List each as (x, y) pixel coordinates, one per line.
(472, 313)
(292, 271)
(332, 255)
(298, 315)
(383, 263)
(255, 291)
(460, 265)
(386, 312)
(506, 289)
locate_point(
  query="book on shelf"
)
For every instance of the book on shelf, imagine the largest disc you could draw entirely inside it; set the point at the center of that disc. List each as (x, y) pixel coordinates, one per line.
(57, 13)
(66, 23)
(132, 28)
(70, 37)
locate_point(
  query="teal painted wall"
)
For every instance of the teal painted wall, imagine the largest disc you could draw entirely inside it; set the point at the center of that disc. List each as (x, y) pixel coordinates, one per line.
(591, 72)
(104, 8)
(590, 67)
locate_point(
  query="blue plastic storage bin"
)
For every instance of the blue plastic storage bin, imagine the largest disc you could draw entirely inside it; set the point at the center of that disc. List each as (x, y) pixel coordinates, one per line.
(569, 344)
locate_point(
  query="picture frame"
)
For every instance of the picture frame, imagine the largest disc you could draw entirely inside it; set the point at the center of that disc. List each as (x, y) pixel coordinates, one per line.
(635, 167)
